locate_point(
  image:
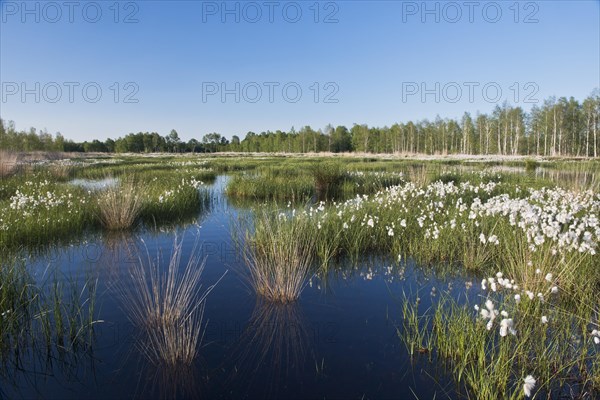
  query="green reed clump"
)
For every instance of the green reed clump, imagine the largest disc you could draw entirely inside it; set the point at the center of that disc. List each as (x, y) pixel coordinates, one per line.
(531, 165)
(328, 177)
(119, 207)
(17, 301)
(279, 251)
(447, 177)
(270, 186)
(416, 329)
(174, 195)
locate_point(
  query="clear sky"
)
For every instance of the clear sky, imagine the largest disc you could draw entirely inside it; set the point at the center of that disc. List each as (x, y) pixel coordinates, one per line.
(234, 67)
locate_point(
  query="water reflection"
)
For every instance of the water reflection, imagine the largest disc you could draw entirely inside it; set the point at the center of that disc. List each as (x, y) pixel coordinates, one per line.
(169, 382)
(95, 184)
(272, 349)
(575, 178)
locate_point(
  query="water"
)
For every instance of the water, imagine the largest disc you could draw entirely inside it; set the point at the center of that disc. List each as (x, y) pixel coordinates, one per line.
(91, 184)
(338, 341)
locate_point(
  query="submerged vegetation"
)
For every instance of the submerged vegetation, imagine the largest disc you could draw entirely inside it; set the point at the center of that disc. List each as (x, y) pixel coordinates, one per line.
(43, 320)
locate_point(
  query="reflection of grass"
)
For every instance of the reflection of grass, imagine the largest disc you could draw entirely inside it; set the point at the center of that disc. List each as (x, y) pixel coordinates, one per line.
(279, 254)
(168, 306)
(171, 382)
(273, 345)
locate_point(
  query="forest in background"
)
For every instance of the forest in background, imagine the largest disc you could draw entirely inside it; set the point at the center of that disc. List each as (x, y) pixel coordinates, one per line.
(557, 127)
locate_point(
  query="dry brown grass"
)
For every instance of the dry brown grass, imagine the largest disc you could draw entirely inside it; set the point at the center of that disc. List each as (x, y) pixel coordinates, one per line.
(8, 163)
(61, 171)
(119, 207)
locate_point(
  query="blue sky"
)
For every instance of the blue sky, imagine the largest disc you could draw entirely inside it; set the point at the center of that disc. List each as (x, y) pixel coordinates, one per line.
(354, 62)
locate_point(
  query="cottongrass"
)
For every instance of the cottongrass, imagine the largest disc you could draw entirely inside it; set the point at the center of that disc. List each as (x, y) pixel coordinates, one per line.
(529, 385)
(279, 255)
(168, 306)
(119, 207)
(515, 330)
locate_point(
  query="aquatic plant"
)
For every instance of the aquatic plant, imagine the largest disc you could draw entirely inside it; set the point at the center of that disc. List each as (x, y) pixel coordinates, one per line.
(119, 207)
(36, 211)
(279, 252)
(34, 316)
(168, 305)
(328, 177)
(511, 332)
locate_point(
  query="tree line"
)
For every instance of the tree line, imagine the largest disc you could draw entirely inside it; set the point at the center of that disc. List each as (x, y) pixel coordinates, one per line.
(557, 127)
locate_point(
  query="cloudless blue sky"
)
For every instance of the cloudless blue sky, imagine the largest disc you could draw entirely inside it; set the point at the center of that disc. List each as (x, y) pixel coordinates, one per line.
(177, 48)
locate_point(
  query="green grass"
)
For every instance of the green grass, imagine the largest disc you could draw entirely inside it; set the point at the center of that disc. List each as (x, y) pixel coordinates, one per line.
(561, 355)
(278, 250)
(40, 206)
(483, 222)
(447, 214)
(55, 315)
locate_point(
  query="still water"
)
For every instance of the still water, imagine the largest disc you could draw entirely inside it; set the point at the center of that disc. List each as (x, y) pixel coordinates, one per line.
(339, 340)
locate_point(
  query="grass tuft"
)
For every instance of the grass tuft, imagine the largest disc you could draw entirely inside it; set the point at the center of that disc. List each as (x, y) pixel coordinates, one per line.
(169, 307)
(328, 177)
(279, 254)
(119, 207)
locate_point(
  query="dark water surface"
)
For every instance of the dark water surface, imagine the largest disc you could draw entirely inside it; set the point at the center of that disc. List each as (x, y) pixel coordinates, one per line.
(338, 341)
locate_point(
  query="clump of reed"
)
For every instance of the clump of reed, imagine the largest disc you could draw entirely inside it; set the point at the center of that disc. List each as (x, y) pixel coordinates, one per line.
(328, 177)
(168, 306)
(272, 186)
(61, 171)
(531, 165)
(8, 163)
(279, 254)
(119, 207)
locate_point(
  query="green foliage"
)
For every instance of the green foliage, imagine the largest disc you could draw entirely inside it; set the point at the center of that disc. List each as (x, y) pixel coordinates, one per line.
(279, 251)
(531, 165)
(328, 178)
(45, 317)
